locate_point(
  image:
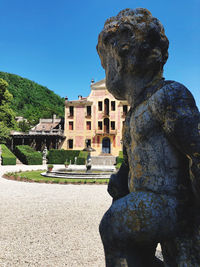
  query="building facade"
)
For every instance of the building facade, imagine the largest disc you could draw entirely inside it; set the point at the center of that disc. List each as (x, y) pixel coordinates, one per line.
(95, 121)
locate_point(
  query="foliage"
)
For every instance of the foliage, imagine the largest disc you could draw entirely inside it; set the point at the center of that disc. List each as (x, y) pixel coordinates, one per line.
(31, 100)
(8, 158)
(28, 155)
(56, 156)
(80, 161)
(82, 157)
(7, 115)
(24, 126)
(119, 160)
(50, 166)
(4, 133)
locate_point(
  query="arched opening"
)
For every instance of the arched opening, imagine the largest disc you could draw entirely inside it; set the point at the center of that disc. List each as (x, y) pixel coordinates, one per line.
(106, 125)
(106, 145)
(106, 106)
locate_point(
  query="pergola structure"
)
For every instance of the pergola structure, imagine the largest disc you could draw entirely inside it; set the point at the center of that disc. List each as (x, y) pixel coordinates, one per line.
(48, 132)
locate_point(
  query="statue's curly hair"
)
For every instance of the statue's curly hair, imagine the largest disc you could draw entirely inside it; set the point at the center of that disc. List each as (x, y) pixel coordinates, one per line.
(135, 30)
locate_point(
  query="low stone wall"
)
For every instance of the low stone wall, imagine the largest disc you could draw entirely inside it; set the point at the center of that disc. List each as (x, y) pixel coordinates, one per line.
(103, 160)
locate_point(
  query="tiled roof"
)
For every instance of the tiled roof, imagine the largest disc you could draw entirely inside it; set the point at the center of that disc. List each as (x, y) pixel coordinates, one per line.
(45, 126)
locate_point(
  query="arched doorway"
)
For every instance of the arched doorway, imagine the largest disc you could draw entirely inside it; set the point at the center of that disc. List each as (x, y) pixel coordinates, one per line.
(106, 145)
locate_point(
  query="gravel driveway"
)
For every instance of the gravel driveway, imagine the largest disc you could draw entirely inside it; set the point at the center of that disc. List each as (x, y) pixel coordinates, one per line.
(50, 225)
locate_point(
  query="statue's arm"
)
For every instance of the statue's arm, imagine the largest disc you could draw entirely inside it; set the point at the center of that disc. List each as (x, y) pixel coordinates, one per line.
(180, 119)
(118, 184)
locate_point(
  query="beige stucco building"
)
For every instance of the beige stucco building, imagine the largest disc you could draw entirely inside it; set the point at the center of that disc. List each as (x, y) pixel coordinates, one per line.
(95, 121)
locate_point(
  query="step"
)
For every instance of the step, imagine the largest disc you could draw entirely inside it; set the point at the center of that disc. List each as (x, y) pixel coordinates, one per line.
(103, 160)
(18, 162)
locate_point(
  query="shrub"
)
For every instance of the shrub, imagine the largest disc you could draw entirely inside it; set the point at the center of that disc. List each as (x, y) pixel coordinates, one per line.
(119, 160)
(50, 166)
(28, 155)
(60, 156)
(8, 158)
(81, 160)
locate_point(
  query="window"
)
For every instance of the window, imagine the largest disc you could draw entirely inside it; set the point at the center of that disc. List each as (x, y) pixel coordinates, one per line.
(113, 105)
(112, 125)
(70, 143)
(71, 111)
(88, 125)
(100, 105)
(99, 125)
(88, 142)
(125, 109)
(71, 125)
(88, 110)
(106, 107)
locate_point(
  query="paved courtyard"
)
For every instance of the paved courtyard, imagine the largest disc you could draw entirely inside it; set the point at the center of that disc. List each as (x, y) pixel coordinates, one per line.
(50, 225)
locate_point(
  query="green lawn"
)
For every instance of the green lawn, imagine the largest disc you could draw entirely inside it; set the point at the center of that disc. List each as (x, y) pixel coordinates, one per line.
(35, 176)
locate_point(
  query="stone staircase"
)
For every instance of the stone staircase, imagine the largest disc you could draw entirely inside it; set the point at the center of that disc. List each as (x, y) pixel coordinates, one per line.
(103, 160)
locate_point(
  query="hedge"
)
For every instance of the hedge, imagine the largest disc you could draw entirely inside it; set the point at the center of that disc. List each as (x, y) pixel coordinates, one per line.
(28, 155)
(60, 156)
(8, 158)
(119, 160)
(81, 160)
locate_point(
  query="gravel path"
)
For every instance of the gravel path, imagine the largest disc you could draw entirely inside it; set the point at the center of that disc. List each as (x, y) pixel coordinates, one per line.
(50, 225)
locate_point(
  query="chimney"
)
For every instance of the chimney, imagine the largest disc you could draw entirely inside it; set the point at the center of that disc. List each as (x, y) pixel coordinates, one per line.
(66, 98)
(92, 81)
(80, 97)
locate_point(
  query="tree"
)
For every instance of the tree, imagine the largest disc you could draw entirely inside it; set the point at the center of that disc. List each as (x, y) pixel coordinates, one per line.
(4, 133)
(24, 126)
(31, 100)
(7, 115)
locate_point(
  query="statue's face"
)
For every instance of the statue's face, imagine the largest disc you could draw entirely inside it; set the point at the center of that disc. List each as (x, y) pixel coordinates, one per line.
(114, 59)
(121, 61)
(114, 77)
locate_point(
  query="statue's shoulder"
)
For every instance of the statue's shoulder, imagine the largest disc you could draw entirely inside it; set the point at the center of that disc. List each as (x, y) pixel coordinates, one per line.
(171, 96)
(172, 93)
(176, 90)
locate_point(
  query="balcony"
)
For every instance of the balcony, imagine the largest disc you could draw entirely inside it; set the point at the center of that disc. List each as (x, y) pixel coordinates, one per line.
(113, 132)
(105, 132)
(105, 114)
(88, 115)
(70, 115)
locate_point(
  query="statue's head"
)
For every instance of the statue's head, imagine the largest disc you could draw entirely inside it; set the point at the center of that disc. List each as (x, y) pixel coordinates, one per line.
(131, 44)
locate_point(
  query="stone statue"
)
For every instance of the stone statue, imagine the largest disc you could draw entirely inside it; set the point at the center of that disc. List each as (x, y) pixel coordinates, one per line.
(44, 155)
(156, 191)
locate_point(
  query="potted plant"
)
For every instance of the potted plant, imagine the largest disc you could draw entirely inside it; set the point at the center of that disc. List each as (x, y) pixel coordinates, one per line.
(66, 164)
(50, 167)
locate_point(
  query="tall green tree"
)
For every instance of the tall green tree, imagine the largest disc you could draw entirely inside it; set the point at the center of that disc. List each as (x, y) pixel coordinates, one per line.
(7, 115)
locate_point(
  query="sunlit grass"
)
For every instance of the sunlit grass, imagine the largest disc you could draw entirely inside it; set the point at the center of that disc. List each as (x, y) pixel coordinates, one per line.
(35, 176)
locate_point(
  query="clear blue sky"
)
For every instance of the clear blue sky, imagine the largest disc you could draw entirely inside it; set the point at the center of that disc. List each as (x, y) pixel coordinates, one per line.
(54, 42)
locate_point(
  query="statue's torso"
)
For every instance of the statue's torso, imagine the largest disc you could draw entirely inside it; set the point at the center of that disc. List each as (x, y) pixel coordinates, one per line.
(155, 163)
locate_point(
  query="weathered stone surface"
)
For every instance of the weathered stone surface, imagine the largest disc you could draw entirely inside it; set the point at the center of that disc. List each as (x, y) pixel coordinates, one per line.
(156, 191)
